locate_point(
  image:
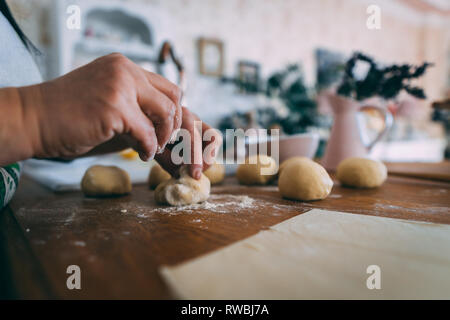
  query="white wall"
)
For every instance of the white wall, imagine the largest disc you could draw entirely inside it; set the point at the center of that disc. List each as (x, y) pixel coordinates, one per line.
(276, 32)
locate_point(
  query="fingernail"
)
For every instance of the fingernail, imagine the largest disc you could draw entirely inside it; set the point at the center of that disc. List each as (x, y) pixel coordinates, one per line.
(197, 173)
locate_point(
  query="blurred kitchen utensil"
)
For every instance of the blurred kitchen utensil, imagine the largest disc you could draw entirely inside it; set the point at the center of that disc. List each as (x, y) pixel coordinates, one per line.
(345, 138)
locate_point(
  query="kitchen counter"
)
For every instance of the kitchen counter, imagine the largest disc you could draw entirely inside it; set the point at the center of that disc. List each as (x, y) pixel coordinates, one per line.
(120, 243)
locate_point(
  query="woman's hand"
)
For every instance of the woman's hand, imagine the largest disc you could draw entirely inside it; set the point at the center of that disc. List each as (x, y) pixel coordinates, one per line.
(108, 98)
(112, 104)
(203, 146)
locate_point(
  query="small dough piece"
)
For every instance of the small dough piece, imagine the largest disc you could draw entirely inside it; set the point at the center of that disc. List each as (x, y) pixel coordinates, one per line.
(183, 191)
(290, 160)
(305, 180)
(157, 175)
(257, 169)
(361, 173)
(104, 181)
(215, 173)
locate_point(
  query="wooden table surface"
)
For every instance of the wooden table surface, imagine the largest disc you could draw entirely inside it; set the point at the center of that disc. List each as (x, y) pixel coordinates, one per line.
(119, 253)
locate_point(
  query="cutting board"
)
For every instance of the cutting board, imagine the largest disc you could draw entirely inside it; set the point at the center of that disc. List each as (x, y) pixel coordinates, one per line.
(432, 171)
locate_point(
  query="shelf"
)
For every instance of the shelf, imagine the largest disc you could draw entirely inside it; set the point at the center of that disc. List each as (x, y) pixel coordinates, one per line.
(134, 50)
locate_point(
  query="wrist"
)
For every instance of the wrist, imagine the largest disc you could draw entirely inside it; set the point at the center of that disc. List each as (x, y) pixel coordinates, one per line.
(30, 105)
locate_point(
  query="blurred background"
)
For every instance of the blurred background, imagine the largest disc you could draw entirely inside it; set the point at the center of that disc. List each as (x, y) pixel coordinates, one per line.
(264, 63)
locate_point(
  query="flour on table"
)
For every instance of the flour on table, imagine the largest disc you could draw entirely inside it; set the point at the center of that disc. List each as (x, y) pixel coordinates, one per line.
(219, 203)
(80, 243)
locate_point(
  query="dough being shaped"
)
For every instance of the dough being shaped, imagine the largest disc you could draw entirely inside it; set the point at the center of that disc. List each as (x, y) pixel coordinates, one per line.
(157, 175)
(305, 180)
(257, 169)
(361, 173)
(183, 191)
(288, 161)
(104, 181)
(215, 173)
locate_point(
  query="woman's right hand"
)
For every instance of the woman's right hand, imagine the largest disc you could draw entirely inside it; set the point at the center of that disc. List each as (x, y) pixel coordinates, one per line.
(106, 98)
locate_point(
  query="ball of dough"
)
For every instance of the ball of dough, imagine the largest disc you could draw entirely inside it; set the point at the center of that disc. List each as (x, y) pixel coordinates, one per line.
(215, 173)
(361, 173)
(103, 181)
(157, 175)
(290, 160)
(305, 180)
(183, 191)
(257, 169)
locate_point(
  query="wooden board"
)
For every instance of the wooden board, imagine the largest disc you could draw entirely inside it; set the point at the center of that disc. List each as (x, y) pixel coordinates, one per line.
(324, 255)
(431, 171)
(120, 252)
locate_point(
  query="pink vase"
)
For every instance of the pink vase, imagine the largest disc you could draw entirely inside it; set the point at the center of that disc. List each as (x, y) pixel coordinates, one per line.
(345, 138)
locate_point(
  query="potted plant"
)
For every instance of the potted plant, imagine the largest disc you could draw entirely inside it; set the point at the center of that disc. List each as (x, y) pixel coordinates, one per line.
(364, 79)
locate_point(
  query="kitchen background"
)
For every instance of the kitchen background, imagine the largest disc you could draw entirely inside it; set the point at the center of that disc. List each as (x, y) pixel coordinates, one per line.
(253, 39)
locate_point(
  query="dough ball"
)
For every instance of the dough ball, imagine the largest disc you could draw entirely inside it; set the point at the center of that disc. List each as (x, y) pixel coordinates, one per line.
(183, 191)
(361, 173)
(215, 173)
(157, 175)
(305, 180)
(290, 160)
(257, 170)
(103, 181)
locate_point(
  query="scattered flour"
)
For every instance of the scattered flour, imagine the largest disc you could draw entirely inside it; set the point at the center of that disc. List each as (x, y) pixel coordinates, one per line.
(428, 209)
(218, 203)
(80, 243)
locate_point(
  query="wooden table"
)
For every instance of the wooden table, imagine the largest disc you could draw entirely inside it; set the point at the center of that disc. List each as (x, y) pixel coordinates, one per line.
(119, 253)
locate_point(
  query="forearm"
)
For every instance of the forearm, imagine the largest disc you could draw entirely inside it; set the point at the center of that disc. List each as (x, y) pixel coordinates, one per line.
(17, 124)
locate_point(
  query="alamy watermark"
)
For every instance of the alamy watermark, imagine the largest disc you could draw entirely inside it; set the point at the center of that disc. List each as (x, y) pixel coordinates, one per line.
(374, 280)
(74, 280)
(73, 21)
(373, 21)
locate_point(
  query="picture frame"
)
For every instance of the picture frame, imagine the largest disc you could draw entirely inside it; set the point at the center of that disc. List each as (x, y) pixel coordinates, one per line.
(211, 57)
(248, 76)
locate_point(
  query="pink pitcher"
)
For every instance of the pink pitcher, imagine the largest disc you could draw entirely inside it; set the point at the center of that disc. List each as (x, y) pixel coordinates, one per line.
(345, 138)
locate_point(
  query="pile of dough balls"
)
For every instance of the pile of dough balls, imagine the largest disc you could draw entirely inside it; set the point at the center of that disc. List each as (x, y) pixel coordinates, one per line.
(215, 173)
(361, 173)
(104, 181)
(183, 191)
(257, 170)
(303, 179)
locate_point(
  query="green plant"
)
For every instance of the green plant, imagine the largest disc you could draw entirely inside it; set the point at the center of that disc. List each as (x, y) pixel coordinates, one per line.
(385, 82)
(289, 86)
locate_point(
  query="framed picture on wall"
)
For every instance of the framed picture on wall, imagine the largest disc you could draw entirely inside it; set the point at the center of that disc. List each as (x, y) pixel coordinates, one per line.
(248, 73)
(211, 60)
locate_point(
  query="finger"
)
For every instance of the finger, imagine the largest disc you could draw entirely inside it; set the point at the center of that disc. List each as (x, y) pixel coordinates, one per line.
(142, 130)
(193, 126)
(212, 140)
(172, 91)
(176, 123)
(160, 109)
